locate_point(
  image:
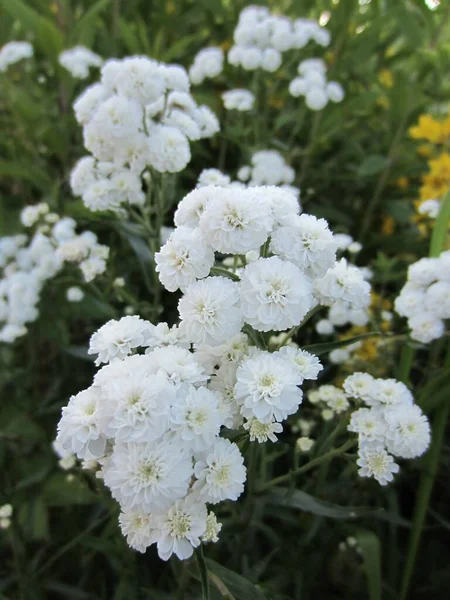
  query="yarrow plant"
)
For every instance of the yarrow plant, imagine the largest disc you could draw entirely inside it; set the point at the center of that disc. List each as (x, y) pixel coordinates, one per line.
(313, 85)
(28, 261)
(79, 60)
(13, 52)
(159, 415)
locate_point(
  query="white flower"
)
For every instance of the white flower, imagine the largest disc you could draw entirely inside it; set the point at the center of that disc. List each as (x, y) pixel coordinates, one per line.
(426, 327)
(410, 302)
(408, 431)
(178, 365)
(377, 463)
(241, 100)
(192, 206)
(137, 528)
(209, 311)
(149, 476)
(213, 177)
(304, 444)
(178, 531)
(306, 365)
(117, 339)
(12, 52)
(140, 78)
(307, 242)
(271, 60)
(283, 202)
(220, 473)
(86, 105)
(223, 381)
(212, 529)
(324, 327)
(195, 418)
(361, 386)
(343, 282)
(135, 408)
(74, 294)
(230, 223)
(316, 98)
(430, 208)
(369, 424)
(266, 388)
(335, 91)
(162, 335)
(168, 149)
(184, 258)
(79, 428)
(78, 60)
(6, 511)
(262, 431)
(437, 299)
(275, 294)
(424, 271)
(208, 63)
(389, 392)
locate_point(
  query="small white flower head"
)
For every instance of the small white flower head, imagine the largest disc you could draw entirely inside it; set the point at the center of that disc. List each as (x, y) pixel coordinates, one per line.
(179, 530)
(266, 388)
(410, 301)
(195, 418)
(335, 92)
(304, 444)
(213, 177)
(193, 205)
(275, 295)
(283, 200)
(230, 223)
(162, 335)
(222, 382)
(429, 208)
(135, 407)
(437, 299)
(345, 283)
(262, 432)
(183, 259)
(339, 356)
(137, 528)
(241, 100)
(324, 327)
(361, 386)
(307, 242)
(375, 462)
(79, 429)
(178, 365)
(6, 511)
(168, 149)
(306, 365)
(74, 294)
(213, 528)
(316, 98)
(210, 311)
(424, 271)
(220, 473)
(148, 476)
(408, 431)
(369, 424)
(426, 327)
(390, 392)
(13, 52)
(78, 61)
(117, 339)
(208, 63)
(86, 105)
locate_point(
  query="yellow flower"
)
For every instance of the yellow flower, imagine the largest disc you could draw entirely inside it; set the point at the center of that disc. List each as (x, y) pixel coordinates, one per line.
(383, 102)
(436, 182)
(402, 183)
(430, 129)
(385, 78)
(425, 150)
(387, 226)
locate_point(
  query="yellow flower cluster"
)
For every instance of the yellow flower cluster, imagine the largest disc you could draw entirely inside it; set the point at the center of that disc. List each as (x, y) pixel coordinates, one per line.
(437, 181)
(432, 130)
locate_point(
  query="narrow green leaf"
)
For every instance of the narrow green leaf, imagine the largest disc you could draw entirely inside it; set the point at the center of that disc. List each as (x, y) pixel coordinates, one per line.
(84, 28)
(240, 587)
(30, 173)
(59, 491)
(329, 346)
(135, 235)
(441, 226)
(370, 548)
(372, 164)
(310, 504)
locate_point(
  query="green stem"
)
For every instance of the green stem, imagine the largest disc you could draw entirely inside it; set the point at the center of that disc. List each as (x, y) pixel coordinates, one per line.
(225, 273)
(310, 146)
(203, 573)
(406, 361)
(310, 465)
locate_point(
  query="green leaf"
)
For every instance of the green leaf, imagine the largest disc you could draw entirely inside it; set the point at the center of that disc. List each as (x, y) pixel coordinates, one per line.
(34, 175)
(440, 229)
(373, 164)
(46, 34)
(135, 235)
(80, 352)
(236, 586)
(329, 346)
(435, 392)
(62, 490)
(370, 548)
(83, 30)
(33, 519)
(310, 504)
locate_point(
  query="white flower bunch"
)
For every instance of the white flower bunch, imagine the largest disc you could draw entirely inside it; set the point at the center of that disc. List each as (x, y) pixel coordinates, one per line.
(241, 100)
(28, 261)
(141, 115)
(260, 38)
(78, 60)
(268, 167)
(388, 425)
(429, 208)
(313, 85)
(425, 298)
(208, 63)
(13, 52)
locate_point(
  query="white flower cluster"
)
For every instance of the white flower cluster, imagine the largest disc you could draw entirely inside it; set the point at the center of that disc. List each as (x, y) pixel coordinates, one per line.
(241, 100)
(141, 115)
(425, 298)
(208, 63)
(27, 262)
(429, 208)
(260, 38)
(79, 60)
(313, 85)
(13, 52)
(331, 400)
(268, 167)
(388, 425)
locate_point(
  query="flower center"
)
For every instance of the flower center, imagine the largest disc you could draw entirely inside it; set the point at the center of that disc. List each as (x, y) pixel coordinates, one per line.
(377, 463)
(149, 472)
(180, 525)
